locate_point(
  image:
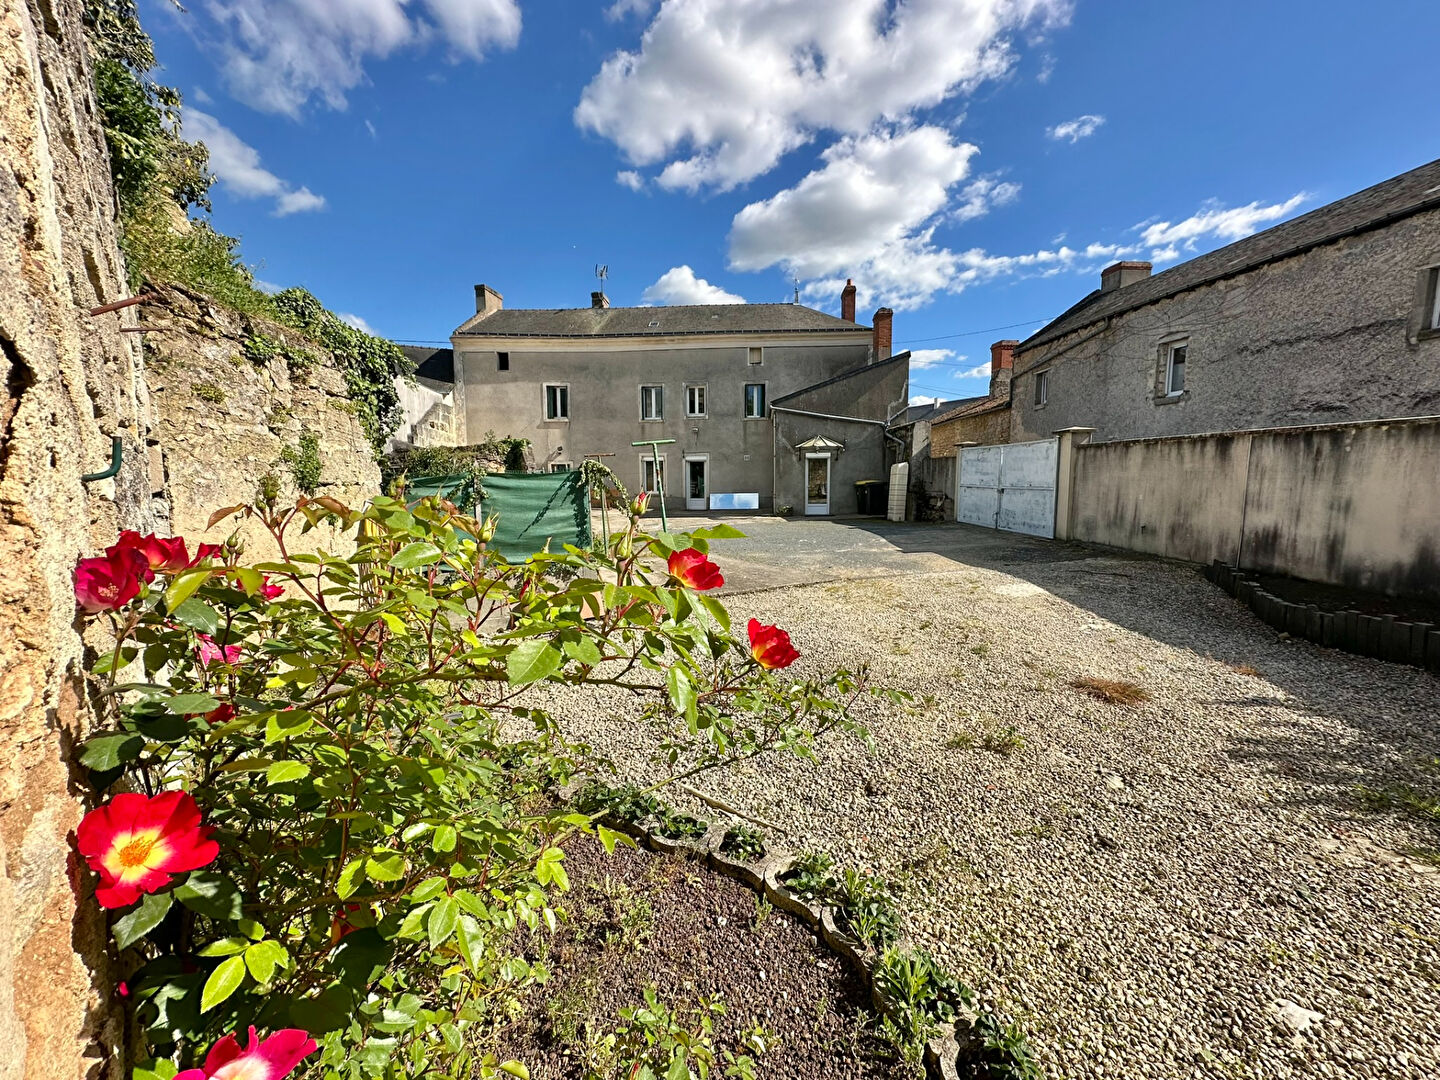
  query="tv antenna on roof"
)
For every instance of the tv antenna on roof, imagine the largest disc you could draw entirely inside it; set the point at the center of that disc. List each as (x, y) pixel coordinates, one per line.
(797, 292)
(602, 272)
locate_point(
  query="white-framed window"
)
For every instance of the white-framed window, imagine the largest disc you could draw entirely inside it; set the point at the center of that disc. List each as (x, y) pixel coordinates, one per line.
(647, 473)
(1042, 387)
(560, 466)
(1175, 368)
(557, 401)
(652, 403)
(1432, 300)
(755, 401)
(694, 401)
(756, 355)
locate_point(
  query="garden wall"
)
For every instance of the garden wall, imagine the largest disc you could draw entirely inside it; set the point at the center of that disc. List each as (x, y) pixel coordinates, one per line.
(224, 419)
(1355, 505)
(72, 382)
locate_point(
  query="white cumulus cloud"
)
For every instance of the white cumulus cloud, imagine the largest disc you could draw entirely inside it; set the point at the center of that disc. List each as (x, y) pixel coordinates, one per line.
(631, 179)
(866, 213)
(237, 166)
(356, 321)
(928, 358)
(277, 55)
(679, 285)
(1072, 131)
(720, 90)
(1169, 240)
(623, 8)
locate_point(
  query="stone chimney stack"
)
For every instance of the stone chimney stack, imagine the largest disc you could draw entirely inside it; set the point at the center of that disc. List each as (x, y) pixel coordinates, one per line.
(599, 300)
(847, 301)
(487, 300)
(881, 322)
(1002, 366)
(1121, 274)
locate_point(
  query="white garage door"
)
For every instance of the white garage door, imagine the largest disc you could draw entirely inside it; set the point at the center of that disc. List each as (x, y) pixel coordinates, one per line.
(1009, 487)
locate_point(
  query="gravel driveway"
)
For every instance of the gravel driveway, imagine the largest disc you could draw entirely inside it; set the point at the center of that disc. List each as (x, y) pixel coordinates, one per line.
(1186, 888)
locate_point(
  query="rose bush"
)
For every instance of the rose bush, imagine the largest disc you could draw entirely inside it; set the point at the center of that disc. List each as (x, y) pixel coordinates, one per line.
(330, 811)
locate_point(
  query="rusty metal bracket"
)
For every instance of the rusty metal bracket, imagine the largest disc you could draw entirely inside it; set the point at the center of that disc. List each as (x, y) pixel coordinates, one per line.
(117, 451)
(128, 302)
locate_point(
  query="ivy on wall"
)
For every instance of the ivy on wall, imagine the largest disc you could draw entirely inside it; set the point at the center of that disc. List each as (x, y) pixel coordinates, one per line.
(160, 177)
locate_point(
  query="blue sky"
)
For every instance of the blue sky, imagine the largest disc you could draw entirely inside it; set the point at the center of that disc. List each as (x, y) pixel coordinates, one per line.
(971, 163)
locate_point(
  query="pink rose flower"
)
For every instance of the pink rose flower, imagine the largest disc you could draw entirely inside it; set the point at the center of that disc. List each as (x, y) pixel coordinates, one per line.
(273, 1059)
(111, 582)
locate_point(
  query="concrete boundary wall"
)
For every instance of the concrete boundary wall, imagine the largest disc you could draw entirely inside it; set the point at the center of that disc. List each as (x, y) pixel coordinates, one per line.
(1356, 505)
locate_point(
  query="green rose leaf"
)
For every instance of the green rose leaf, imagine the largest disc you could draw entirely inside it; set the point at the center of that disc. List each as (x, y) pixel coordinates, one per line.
(441, 923)
(189, 704)
(183, 587)
(210, 894)
(609, 837)
(584, 650)
(223, 982)
(349, 879)
(111, 751)
(283, 772)
(198, 615)
(139, 922)
(416, 555)
(532, 661)
(385, 866)
(444, 838)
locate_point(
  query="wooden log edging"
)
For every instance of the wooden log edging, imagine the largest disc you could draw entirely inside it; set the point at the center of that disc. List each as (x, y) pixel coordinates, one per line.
(764, 878)
(1384, 637)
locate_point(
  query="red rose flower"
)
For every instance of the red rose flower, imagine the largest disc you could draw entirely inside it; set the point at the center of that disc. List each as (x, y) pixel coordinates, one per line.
(270, 592)
(770, 646)
(135, 843)
(206, 551)
(221, 715)
(272, 1059)
(209, 651)
(340, 924)
(111, 582)
(691, 567)
(165, 555)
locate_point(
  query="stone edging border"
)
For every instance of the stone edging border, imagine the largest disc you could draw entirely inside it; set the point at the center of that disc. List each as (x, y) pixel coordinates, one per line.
(763, 877)
(1384, 637)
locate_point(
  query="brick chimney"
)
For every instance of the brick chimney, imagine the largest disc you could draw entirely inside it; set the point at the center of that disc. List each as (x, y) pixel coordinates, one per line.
(487, 300)
(599, 300)
(847, 301)
(1002, 365)
(1123, 273)
(881, 321)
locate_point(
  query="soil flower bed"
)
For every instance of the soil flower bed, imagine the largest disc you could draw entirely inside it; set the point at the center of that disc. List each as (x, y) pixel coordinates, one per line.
(641, 921)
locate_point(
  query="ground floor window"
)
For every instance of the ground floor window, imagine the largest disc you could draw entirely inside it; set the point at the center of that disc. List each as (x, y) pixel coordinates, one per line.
(648, 479)
(560, 466)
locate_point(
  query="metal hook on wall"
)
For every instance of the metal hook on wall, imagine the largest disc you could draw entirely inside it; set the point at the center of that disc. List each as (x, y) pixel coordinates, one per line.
(116, 453)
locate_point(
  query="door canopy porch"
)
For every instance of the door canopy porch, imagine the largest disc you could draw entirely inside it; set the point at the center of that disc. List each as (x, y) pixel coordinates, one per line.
(819, 444)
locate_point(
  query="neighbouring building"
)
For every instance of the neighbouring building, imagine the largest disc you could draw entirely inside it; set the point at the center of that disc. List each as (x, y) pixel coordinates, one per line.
(427, 398)
(982, 420)
(1331, 317)
(766, 404)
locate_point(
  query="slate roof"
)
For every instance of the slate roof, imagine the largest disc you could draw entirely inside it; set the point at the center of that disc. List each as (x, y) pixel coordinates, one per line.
(903, 357)
(916, 413)
(615, 322)
(433, 367)
(1392, 200)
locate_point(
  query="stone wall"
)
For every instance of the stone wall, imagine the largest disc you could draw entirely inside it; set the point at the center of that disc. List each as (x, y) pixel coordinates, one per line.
(72, 382)
(985, 428)
(1325, 336)
(222, 421)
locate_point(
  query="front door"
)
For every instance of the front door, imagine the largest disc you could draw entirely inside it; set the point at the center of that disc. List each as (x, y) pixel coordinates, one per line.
(697, 483)
(817, 483)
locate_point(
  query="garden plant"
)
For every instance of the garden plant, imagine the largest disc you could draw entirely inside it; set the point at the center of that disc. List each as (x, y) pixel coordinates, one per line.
(327, 819)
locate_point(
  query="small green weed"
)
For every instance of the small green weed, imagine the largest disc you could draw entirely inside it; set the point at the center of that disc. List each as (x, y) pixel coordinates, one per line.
(1002, 1052)
(304, 462)
(1004, 741)
(1401, 797)
(209, 391)
(743, 842)
(260, 349)
(961, 740)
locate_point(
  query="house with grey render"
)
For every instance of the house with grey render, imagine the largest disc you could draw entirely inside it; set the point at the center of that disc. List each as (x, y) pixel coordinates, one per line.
(764, 405)
(1331, 317)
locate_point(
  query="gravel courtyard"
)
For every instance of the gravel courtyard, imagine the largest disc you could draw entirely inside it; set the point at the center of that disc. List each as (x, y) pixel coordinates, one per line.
(1185, 888)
